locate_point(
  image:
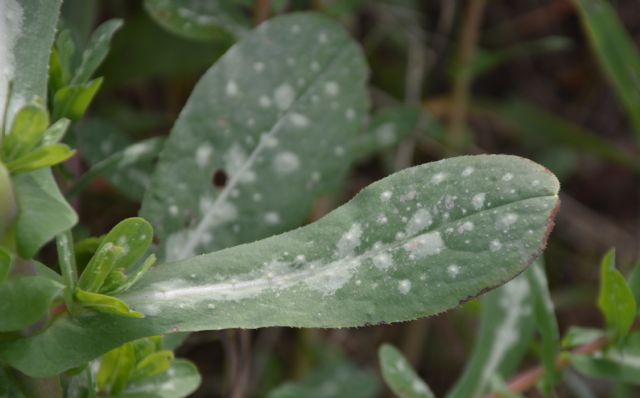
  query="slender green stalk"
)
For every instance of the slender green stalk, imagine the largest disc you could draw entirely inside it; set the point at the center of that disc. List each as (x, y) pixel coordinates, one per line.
(67, 261)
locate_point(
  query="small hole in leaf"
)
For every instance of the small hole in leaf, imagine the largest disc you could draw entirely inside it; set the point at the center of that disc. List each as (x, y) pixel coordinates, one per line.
(219, 179)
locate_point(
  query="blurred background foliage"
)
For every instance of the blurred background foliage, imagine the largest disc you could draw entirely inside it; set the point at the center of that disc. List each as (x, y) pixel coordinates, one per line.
(553, 80)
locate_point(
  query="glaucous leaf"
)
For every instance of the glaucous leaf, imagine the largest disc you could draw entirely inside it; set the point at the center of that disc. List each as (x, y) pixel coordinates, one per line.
(400, 376)
(25, 300)
(338, 379)
(617, 52)
(272, 113)
(200, 19)
(614, 365)
(615, 299)
(43, 212)
(387, 128)
(414, 244)
(180, 380)
(506, 329)
(27, 35)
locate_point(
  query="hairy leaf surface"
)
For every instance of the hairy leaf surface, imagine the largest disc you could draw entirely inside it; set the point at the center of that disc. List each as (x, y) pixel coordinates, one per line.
(271, 114)
(414, 244)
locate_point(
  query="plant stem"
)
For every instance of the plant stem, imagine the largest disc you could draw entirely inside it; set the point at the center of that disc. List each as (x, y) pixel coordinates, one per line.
(529, 378)
(462, 83)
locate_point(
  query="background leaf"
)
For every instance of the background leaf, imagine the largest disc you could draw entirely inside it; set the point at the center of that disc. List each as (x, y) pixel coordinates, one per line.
(201, 19)
(413, 244)
(179, 381)
(400, 376)
(616, 51)
(267, 116)
(615, 299)
(24, 300)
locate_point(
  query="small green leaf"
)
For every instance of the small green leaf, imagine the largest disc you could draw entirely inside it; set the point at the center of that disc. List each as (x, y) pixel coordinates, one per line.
(62, 60)
(45, 156)
(105, 304)
(200, 19)
(615, 299)
(115, 369)
(96, 51)
(24, 300)
(7, 200)
(281, 113)
(132, 277)
(617, 52)
(55, 132)
(387, 128)
(152, 365)
(506, 329)
(615, 366)
(133, 236)
(577, 336)
(144, 347)
(67, 261)
(400, 376)
(414, 244)
(634, 284)
(5, 264)
(26, 131)
(179, 381)
(42, 211)
(72, 101)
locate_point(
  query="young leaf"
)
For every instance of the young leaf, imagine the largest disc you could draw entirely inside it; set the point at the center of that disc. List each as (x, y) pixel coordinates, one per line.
(42, 157)
(27, 36)
(400, 376)
(55, 132)
(616, 51)
(179, 381)
(25, 300)
(7, 200)
(96, 51)
(616, 366)
(199, 19)
(506, 329)
(270, 114)
(42, 211)
(615, 299)
(115, 369)
(152, 365)
(68, 268)
(413, 244)
(105, 304)
(634, 284)
(5, 264)
(577, 336)
(26, 130)
(72, 101)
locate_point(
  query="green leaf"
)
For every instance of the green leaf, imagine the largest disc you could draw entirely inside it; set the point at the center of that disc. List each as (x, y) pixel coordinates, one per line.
(27, 35)
(270, 114)
(336, 379)
(55, 132)
(62, 61)
(547, 325)
(179, 381)
(68, 268)
(121, 248)
(5, 264)
(42, 157)
(111, 154)
(72, 101)
(400, 376)
(414, 244)
(7, 200)
(116, 366)
(616, 51)
(634, 284)
(96, 51)
(615, 366)
(577, 336)
(24, 300)
(104, 304)
(387, 128)
(26, 130)
(153, 365)
(42, 211)
(615, 299)
(200, 19)
(506, 329)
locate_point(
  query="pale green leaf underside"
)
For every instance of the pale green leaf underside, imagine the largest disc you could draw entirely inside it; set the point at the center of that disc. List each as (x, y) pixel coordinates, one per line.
(277, 111)
(400, 376)
(413, 244)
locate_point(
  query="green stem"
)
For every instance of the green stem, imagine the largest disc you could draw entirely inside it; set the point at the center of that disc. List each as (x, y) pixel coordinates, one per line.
(68, 268)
